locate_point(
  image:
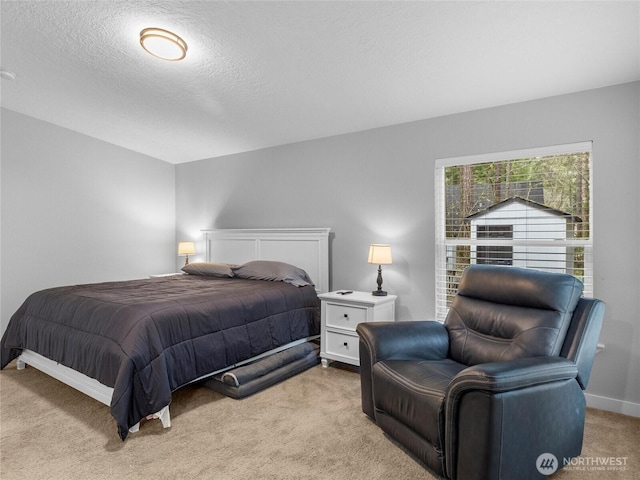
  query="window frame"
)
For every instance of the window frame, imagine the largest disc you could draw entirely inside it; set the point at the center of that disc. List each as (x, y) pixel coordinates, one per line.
(444, 244)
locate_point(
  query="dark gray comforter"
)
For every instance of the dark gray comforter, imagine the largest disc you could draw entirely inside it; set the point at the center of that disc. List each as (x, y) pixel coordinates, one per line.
(146, 338)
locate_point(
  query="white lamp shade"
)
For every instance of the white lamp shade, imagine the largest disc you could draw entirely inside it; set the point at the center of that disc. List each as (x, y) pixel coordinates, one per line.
(186, 248)
(380, 254)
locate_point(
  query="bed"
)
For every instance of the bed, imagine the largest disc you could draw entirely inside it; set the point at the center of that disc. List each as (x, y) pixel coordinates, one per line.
(131, 344)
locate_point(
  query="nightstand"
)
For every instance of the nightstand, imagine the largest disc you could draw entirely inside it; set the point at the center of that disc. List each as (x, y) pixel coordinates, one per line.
(341, 314)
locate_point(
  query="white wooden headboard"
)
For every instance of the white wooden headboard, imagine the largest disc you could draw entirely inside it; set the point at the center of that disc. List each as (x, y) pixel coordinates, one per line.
(307, 248)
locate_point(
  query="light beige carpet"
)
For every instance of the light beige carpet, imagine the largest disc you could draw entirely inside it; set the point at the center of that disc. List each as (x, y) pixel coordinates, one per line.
(308, 427)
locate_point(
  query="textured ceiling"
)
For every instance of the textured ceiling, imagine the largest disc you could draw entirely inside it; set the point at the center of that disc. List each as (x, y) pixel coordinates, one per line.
(259, 74)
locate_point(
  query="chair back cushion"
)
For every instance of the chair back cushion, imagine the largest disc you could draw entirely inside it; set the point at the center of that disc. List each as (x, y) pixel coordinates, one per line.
(504, 313)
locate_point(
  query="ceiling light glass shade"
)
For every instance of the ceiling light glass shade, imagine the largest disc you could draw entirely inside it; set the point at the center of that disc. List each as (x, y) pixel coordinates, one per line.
(7, 75)
(163, 44)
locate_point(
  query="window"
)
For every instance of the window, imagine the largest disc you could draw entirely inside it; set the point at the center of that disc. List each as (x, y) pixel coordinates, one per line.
(494, 254)
(526, 208)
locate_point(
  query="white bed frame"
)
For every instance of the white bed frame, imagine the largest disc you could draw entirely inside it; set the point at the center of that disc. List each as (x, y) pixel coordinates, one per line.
(307, 248)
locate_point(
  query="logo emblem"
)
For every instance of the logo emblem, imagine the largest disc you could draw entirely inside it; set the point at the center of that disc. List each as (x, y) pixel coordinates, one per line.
(547, 464)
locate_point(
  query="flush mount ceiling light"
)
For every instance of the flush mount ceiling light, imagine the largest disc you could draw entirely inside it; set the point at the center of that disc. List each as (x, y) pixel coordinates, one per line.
(163, 44)
(7, 75)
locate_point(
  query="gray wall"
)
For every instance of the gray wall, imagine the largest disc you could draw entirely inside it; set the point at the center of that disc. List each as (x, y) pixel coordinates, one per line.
(378, 186)
(76, 210)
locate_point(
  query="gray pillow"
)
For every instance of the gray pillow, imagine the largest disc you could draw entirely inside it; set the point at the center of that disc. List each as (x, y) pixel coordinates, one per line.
(273, 271)
(209, 269)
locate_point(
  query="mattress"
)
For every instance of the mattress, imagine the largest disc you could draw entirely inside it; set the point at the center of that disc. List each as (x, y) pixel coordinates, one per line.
(146, 338)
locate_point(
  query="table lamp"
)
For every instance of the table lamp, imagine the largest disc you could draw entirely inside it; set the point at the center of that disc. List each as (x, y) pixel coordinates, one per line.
(379, 255)
(186, 249)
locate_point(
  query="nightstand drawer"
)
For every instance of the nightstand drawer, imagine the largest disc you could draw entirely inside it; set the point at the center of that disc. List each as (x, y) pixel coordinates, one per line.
(345, 316)
(343, 345)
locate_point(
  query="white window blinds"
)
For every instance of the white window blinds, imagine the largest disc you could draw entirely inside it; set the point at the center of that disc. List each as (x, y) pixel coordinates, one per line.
(525, 208)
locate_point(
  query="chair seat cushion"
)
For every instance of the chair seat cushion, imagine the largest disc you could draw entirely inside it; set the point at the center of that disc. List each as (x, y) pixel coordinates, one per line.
(413, 393)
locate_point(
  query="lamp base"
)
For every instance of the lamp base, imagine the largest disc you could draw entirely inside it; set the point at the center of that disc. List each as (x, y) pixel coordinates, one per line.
(379, 293)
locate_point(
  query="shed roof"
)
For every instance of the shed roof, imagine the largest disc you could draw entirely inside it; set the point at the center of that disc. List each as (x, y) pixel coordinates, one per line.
(526, 202)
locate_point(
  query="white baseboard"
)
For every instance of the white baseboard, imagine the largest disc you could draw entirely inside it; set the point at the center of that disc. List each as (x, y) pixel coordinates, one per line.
(613, 405)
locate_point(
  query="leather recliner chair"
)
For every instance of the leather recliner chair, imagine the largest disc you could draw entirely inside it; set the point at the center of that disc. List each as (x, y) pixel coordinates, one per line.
(498, 387)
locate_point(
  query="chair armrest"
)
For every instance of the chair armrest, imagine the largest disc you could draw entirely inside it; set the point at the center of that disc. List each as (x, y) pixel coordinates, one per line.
(488, 404)
(424, 340)
(408, 340)
(501, 377)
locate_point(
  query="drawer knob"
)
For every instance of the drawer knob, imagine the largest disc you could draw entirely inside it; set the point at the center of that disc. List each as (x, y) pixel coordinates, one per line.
(346, 315)
(346, 344)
